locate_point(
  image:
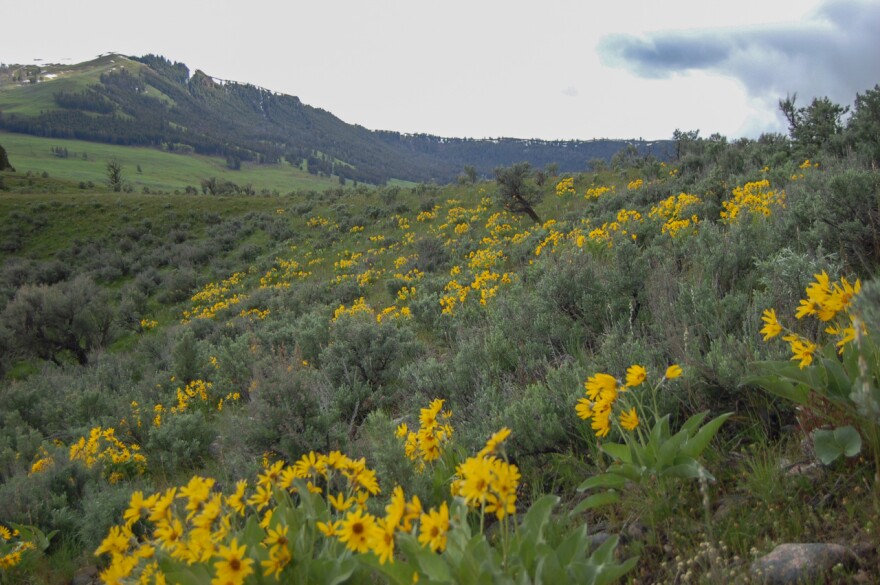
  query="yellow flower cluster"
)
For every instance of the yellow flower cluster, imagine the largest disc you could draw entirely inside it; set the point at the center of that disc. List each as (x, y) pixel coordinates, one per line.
(635, 185)
(318, 221)
(348, 260)
(428, 215)
(488, 482)
(672, 211)
(755, 198)
(485, 258)
(102, 446)
(282, 273)
(148, 324)
(195, 389)
(12, 548)
(462, 228)
(214, 298)
(393, 312)
(426, 444)
(255, 313)
(406, 293)
(197, 524)
(596, 192)
(565, 187)
(828, 302)
(356, 229)
(486, 283)
(603, 392)
(43, 461)
(358, 307)
(552, 240)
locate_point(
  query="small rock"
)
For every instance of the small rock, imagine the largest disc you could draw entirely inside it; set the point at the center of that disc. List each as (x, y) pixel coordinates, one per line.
(790, 563)
(85, 576)
(810, 471)
(597, 539)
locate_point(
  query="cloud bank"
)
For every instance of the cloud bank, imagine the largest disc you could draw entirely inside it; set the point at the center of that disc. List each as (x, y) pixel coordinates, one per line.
(835, 53)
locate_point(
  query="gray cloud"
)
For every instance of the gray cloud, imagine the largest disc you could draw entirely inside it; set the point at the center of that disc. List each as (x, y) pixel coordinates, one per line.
(836, 53)
(570, 91)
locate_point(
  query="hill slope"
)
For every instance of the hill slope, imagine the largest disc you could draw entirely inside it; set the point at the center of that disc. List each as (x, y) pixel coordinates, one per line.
(151, 101)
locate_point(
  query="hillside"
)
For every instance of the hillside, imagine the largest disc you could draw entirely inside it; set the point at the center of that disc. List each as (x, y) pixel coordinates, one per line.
(672, 376)
(150, 101)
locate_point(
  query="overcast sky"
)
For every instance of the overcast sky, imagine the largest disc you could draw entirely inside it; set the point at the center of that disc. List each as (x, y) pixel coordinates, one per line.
(489, 68)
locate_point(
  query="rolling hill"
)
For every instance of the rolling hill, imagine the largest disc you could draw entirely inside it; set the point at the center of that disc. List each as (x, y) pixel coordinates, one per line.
(153, 102)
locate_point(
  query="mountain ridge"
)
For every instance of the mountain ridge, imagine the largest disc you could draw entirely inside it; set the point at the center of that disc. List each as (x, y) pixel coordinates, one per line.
(152, 101)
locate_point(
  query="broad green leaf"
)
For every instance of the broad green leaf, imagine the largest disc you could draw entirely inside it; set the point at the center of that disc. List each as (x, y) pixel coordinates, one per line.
(550, 570)
(574, 547)
(618, 451)
(596, 501)
(660, 432)
(603, 480)
(605, 552)
(687, 470)
(693, 422)
(185, 575)
(670, 448)
(342, 570)
(696, 444)
(830, 445)
(628, 471)
(797, 393)
(536, 518)
(433, 566)
(839, 384)
(610, 573)
(398, 572)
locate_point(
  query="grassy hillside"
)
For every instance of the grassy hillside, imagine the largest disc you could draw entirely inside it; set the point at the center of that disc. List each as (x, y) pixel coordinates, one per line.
(160, 171)
(150, 101)
(671, 373)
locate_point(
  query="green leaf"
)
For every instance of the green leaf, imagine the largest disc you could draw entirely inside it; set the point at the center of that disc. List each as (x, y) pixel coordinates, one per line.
(830, 445)
(628, 471)
(693, 422)
(342, 570)
(670, 448)
(574, 547)
(618, 451)
(596, 501)
(686, 470)
(433, 566)
(536, 518)
(398, 572)
(603, 480)
(660, 432)
(696, 444)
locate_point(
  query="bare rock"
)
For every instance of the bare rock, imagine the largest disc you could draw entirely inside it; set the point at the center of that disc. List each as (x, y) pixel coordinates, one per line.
(792, 563)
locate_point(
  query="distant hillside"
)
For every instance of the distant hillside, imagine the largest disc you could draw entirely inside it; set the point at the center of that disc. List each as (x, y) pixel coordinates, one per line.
(151, 101)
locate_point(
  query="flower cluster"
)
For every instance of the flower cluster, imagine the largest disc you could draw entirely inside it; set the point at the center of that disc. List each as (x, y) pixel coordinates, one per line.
(263, 528)
(214, 298)
(12, 547)
(103, 447)
(635, 185)
(565, 187)
(673, 212)
(426, 444)
(603, 393)
(828, 302)
(488, 482)
(596, 192)
(755, 198)
(282, 273)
